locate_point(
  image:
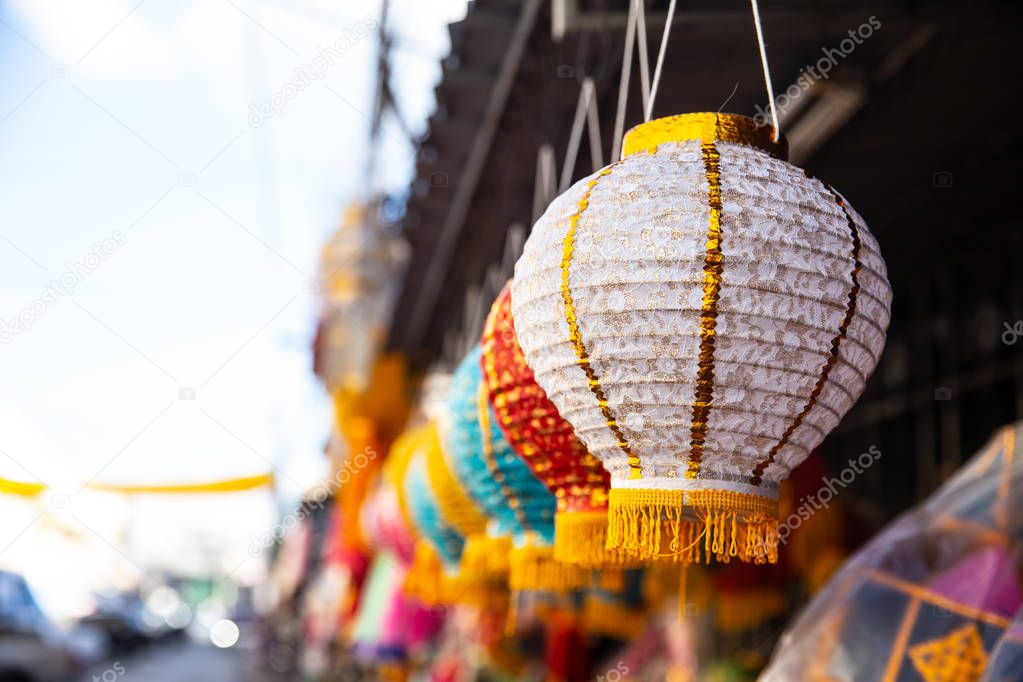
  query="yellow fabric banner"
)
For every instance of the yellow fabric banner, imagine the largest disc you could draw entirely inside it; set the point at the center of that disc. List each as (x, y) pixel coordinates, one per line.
(228, 486)
(9, 487)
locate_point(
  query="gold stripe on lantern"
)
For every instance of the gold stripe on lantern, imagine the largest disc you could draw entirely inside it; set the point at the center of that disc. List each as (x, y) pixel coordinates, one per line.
(456, 507)
(573, 327)
(712, 269)
(694, 525)
(829, 364)
(488, 457)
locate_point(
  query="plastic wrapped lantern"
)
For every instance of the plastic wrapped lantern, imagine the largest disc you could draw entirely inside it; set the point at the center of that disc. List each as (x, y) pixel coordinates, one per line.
(936, 595)
(703, 313)
(547, 443)
(520, 508)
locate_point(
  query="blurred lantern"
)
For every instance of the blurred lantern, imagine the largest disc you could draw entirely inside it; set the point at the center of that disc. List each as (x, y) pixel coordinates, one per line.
(384, 515)
(520, 535)
(442, 514)
(933, 596)
(815, 547)
(391, 622)
(455, 506)
(358, 470)
(349, 567)
(383, 405)
(357, 286)
(389, 625)
(367, 422)
(747, 597)
(546, 442)
(622, 613)
(703, 313)
(439, 547)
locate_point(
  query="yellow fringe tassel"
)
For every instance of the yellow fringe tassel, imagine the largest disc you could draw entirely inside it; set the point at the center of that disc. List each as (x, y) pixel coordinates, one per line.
(580, 538)
(692, 526)
(491, 598)
(485, 557)
(535, 568)
(483, 573)
(426, 580)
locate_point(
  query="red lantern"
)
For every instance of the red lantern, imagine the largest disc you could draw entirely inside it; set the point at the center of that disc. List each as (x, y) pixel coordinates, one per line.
(547, 443)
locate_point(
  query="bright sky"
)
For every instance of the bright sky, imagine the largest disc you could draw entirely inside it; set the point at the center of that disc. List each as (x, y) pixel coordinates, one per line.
(130, 170)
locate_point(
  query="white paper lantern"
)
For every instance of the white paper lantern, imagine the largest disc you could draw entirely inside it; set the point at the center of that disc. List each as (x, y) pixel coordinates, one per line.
(703, 313)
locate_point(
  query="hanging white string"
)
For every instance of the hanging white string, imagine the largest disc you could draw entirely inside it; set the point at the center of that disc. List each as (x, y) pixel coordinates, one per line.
(472, 319)
(635, 24)
(623, 81)
(660, 62)
(493, 282)
(544, 184)
(767, 71)
(513, 243)
(593, 125)
(644, 65)
(585, 117)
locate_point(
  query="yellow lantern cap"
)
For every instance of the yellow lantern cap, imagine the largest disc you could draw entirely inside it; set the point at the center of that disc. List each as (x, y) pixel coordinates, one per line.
(705, 127)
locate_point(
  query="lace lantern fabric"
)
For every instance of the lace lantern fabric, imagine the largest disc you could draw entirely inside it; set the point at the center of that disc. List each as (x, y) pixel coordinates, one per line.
(703, 313)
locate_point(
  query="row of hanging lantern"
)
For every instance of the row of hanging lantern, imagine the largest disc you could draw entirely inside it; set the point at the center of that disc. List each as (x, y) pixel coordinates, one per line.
(683, 328)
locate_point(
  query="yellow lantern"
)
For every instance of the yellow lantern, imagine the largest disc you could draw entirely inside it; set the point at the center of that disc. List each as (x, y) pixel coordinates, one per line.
(703, 313)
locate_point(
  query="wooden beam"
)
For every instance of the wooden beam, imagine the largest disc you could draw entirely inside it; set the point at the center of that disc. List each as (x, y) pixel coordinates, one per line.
(422, 311)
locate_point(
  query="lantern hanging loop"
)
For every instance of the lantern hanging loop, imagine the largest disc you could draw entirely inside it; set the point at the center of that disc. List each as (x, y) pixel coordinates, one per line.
(649, 99)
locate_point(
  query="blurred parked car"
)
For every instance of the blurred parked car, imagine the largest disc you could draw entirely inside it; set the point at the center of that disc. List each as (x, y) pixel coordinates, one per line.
(127, 622)
(32, 649)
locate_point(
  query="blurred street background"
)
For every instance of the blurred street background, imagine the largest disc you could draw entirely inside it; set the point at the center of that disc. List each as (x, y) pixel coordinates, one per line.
(244, 244)
(166, 192)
